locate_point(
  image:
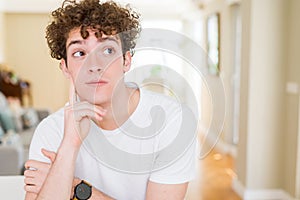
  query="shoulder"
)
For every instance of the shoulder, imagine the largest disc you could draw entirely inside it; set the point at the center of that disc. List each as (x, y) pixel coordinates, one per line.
(153, 98)
(171, 105)
(51, 122)
(147, 94)
(48, 135)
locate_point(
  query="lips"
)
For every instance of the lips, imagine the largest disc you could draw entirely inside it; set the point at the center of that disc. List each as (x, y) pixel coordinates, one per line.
(96, 82)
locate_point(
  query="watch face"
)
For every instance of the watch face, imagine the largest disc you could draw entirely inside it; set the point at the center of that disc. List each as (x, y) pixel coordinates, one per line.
(83, 191)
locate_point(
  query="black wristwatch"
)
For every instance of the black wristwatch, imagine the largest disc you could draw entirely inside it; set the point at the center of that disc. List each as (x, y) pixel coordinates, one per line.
(82, 191)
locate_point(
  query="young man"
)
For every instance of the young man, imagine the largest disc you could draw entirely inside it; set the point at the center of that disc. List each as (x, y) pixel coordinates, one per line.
(110, 140)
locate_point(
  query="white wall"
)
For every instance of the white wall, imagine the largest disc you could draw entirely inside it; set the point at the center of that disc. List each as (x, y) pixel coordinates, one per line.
(292, 153)
(266, 94)
(12, 187)
(267, 162)
(2, 37)
(225, 138)
(28, 55)
(268, 148)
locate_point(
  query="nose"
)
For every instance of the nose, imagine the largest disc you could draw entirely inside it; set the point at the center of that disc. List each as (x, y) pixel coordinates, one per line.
(94, 63)
(94, 68)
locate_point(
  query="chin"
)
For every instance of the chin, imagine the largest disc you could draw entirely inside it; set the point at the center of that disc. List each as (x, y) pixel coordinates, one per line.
(97, 101)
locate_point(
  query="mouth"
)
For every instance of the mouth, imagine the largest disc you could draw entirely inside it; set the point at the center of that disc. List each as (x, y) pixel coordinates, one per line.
(96, 83)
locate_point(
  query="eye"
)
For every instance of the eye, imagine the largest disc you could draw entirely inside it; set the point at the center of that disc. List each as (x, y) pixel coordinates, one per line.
(78, 54)
(108, 51)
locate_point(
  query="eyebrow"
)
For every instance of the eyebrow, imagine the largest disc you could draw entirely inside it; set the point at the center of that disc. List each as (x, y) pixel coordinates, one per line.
(74, 42)
(101, 40)
(110, 38)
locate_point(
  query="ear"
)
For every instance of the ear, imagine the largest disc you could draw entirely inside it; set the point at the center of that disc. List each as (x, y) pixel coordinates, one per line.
(127, 61)
(64, 68)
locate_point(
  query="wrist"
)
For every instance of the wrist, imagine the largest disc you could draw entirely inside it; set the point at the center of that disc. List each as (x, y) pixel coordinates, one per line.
(95, 194)
(73, 143)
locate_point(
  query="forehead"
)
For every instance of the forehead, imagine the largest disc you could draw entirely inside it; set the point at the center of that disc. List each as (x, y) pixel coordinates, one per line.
(75, 35)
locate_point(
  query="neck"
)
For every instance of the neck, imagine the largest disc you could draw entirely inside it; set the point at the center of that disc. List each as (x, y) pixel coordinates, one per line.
(119, 109)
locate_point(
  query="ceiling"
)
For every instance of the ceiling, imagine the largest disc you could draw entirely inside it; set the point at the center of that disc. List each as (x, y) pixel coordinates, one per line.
(145, 7)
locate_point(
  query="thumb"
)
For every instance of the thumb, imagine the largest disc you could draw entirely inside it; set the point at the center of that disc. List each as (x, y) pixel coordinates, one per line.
(49, 154)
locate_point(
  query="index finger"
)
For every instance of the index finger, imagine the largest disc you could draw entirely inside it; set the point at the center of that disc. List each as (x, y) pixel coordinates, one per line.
(72, 93)
(34, 164)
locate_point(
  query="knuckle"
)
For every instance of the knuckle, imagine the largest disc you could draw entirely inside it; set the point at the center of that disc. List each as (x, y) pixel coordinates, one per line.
(25, 188)
(27, 163)
(26, 180)
(28, 188)
(26, 173)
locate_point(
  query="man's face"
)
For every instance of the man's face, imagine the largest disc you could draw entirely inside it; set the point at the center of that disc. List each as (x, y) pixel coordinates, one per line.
(95, 65)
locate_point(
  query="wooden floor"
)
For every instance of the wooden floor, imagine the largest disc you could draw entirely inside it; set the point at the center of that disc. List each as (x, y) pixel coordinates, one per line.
(214, 179)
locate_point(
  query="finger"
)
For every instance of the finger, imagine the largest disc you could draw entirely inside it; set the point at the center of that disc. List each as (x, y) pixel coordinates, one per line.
(30, 173)
(72, 93)
(49, 154)
(31, 188)
(88, 106)
(99, 110)
(80, 114)
(30, 195)
(31, 164)
(34, 164)
(33, 183)
(29, 181)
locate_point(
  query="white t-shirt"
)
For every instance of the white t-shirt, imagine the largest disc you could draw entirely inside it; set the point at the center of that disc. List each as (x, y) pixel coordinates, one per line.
(157, 143)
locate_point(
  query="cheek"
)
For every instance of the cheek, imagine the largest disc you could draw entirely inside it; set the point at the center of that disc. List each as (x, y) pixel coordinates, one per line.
(115, 70)
(77, 72)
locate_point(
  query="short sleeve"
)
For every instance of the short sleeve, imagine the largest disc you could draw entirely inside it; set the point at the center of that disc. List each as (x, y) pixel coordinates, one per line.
(177, 153)
(181, 171)
(48, 135)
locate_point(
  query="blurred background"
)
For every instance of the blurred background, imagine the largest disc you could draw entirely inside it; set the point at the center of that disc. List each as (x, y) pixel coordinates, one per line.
(253, 48)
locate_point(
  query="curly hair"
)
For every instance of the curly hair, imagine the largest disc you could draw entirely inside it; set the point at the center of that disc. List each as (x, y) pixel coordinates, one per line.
(107, 18)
